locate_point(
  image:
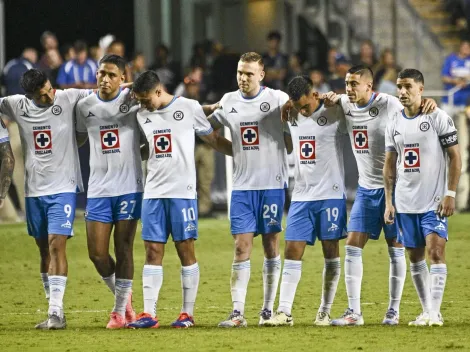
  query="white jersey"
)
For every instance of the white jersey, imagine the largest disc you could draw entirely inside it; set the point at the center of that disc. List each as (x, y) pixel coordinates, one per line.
(318, 151)
(366, 127)
(4, 137)
(259, 154)
(115, 163)
(420, 143)
(170, 132)
(48, 142)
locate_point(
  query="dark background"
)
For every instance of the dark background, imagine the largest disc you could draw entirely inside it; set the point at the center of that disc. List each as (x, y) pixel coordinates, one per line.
(25, 20)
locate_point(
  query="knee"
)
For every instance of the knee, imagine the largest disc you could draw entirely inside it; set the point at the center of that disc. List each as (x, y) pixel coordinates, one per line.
(436, 255)
(153, 256)
(57, 245)
(97, 258)
(242, 249)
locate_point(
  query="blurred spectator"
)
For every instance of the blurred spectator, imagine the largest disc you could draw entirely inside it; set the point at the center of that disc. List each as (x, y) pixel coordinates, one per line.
(48, 42)
(294, 69)
(15, 68)
(68, 52)
(117, 47)
(456, 73)
(96, 53)
(194, 76)
(137, 65)
(386, 72)
(199, 56)
(53, 63)
(366, 55)
(168, 70)
(79, 72)
(318, 80)
(341, 68)
(275, 63)
(223, 78)
(333, 53)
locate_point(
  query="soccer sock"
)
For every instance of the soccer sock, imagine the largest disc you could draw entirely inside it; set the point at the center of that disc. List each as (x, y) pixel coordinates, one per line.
(56, 300)
(438, 284)
(397, 276)
(331, 274)
(123, 290)
(421, 280)
(110, 281)
(291, 274)
(239, 284)
(271, 274)
(45, 284)
(152, 279)
(353, 276)
(189, 285)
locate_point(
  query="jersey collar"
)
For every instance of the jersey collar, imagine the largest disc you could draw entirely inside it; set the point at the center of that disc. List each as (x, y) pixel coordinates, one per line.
(372, 98)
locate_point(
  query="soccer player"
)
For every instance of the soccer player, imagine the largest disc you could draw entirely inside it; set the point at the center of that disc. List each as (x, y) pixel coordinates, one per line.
(46, 122)
(417, 146)
(115, 187)
(366, 114)
(170, 206)
(252, 114)
(318, 208)
(7, 163)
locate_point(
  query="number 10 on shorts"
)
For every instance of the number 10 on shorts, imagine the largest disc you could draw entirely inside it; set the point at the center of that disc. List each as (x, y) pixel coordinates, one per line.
(188, 214)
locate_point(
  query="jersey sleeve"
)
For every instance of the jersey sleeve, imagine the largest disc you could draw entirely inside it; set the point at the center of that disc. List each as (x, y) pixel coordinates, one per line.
(201, 124)
(339, 115)
(80, 118)
(283, 98)
(219, 114)
(390, 145)
(393, 105)
(75, 95)
(7, 105)
(3, 132)
(445, 129)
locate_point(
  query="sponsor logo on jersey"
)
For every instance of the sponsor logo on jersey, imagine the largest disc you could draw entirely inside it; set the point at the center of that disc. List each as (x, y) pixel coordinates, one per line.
(90, 114)
(233, 111)
(424, 126)
(250, 135)
(449, 139)
(373, 112)
(124, 108)
(322, 120)
(450, 122)
(349, 113)
(396, 133)
(147, 121)
(178, 115)
(24, 114)
(56, 110)
(67, 225)
(273, 222)
(294, 123)
(307, 148)
(411, 159)
(190, 227)
(42, 140)
(162, 144)
(264, 107)
(361, 139)
(441, 227)
(109, 140)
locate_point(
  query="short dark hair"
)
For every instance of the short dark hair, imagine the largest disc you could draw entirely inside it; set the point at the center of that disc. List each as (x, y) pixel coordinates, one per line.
(361, 70)
(298, 87)
(416, 75)
(80, 46)
(33, 80)
(115, 60)
(274, 35)
(146, 82)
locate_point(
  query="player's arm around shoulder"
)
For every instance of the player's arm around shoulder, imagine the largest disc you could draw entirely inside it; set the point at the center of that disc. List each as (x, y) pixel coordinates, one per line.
(218, 142)
(390, 172)
(7, 164)
(81, 133)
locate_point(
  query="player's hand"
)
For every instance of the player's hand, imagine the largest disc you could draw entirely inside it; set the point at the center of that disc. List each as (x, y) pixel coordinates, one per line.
(285, 111)
(389, 215)
(2, 202)
(330, 99)
(428, 105)
(127, 85)
(447, 207)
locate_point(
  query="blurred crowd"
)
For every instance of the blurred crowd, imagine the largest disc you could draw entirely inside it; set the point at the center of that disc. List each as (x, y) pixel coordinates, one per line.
(206, 77)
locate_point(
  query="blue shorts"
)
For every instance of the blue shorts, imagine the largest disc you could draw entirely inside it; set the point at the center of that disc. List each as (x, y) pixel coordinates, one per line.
(258, 212)
(367, 214)
(164, 216)
(322, 219)
(112, 209)
(50, 215)
(413, 228)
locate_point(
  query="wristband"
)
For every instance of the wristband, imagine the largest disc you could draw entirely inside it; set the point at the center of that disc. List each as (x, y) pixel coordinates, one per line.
(450, 194)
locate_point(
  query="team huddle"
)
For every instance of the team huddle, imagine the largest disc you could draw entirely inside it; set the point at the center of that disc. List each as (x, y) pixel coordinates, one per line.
(401, 147)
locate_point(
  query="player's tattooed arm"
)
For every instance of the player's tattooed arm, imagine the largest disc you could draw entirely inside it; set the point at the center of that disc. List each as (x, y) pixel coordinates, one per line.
(215, 124)
(390, 178)
(447, 206)
(219, 143)
(288, 143)
(7, 162)
(81, 138)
